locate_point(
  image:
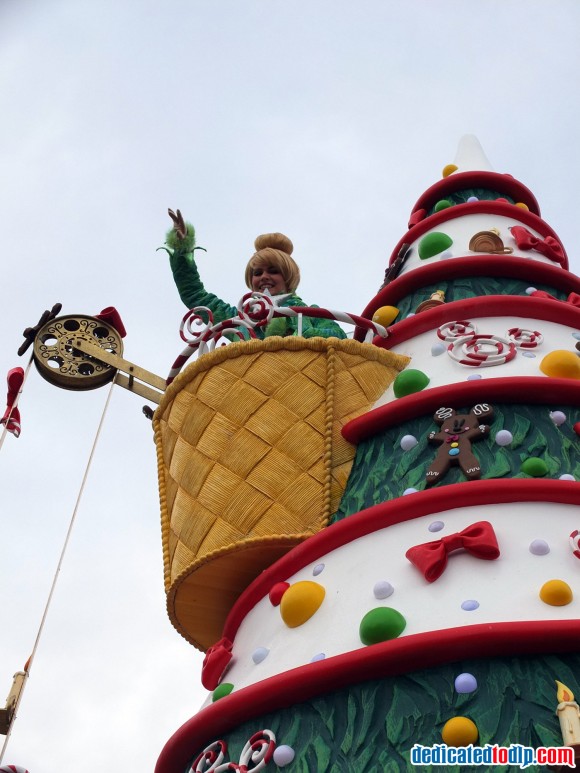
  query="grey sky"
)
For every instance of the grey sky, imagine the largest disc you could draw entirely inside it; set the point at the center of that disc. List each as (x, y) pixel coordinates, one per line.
(323, 120)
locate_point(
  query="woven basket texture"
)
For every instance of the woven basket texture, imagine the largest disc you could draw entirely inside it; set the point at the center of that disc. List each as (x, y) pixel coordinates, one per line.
(251, 461)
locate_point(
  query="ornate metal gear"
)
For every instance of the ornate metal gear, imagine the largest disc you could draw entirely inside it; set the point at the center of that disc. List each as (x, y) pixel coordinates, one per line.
(60, 363)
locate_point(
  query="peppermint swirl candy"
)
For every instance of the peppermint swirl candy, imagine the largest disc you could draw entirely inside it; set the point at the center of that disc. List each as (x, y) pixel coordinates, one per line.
(256, 308)
(481, 351)
(525, 339)
(574, 540)
(194, 318)
(255, 755)
(451, 331)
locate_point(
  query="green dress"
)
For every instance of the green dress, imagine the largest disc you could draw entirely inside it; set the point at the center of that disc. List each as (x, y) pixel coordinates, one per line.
(193, 293)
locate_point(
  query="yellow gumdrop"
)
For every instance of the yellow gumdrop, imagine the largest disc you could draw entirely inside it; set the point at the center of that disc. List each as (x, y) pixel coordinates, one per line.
(521, 205)
(556, 593)
(385, 315)
(459, 731)
(300, 602)
(561, 364)
(448, 169)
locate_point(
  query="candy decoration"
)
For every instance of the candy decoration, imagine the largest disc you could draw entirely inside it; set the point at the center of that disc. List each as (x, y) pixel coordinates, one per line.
(451, 331)
(381, 624)
(539, 547)
(277, 591)
(472, 199)
(525, 339)
(574, 543)
(436, 526)
(448, 169)
(433, 244)
(410, 490)
(556, 593)
(531, 290)
(474, 377)
(383, 589)
(283, 755)
(12, 769)
(465, 683)
(223, 689)
(438, 349)
(300, 602)
(316, 658)
(318, 569)
(481, 351)
(409, 381)
(504, 437)
(535, 467)
(567, 476)
(441, 205)
(455, 438)
(408, 442)
(561, 364)
(523, 206)
(489, 242)
(385, 315)
(260, 654)
(470, 605)
(459, 731)
(558, 417)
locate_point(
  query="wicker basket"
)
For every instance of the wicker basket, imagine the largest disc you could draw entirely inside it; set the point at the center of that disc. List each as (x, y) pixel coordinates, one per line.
(252, 461)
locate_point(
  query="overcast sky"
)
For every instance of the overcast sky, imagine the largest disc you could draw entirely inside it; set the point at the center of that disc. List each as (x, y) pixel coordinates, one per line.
(323, 120)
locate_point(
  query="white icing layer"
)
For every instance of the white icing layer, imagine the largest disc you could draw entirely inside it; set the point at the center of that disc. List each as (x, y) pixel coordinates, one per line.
(442, 369)
(461, 229)
(506, 588)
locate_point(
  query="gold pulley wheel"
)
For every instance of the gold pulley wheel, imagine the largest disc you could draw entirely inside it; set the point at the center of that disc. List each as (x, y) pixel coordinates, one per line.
(62, 364)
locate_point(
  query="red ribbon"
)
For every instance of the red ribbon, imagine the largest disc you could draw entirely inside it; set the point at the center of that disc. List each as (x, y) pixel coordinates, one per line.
(549, 247)
(214, 664)
(478, 540)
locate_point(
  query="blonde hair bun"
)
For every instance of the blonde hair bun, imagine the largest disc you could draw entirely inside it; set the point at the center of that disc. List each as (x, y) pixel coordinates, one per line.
(276, 241)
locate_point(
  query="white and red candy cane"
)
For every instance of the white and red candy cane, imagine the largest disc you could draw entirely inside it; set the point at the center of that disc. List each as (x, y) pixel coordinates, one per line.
(257, 318)
(451, 331)
(574, 540)
(525, 339)
(470, 350)
(372, 328)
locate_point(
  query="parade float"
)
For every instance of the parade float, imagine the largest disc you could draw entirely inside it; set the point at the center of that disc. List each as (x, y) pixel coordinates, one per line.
(370, 571)
(376, 540)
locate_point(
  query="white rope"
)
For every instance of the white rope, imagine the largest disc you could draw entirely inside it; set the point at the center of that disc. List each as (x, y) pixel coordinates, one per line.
(14, 405)
(58, 568)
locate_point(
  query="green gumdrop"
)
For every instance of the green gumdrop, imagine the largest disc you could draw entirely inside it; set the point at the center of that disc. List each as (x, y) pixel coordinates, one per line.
(410, 381)
(221, 691)
(443, 204)
(433, 244)
(535, 467)
(381, 624)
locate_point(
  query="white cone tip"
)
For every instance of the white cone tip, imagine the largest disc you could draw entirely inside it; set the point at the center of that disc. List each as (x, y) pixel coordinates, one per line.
(470, 156)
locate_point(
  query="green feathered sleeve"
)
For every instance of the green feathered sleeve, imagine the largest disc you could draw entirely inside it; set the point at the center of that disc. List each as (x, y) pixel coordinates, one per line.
(187, 279)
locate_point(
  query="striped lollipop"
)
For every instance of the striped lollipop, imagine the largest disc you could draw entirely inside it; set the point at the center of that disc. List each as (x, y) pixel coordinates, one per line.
(574, 543)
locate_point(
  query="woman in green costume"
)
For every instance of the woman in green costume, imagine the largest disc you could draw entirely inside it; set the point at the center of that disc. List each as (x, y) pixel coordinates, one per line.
(271, 269)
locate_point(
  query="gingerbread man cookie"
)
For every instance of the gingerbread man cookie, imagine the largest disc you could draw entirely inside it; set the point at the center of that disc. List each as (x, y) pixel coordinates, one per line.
(455, 438)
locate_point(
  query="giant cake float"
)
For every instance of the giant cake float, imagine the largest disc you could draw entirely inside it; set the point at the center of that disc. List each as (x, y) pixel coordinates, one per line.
(377, 543)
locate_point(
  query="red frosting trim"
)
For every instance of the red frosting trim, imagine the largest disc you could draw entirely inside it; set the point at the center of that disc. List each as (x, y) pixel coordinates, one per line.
(474, 265)
(408, 653)
(550, 310)
(460, 181)
(506, 390)
(478, 208)
(479, 492)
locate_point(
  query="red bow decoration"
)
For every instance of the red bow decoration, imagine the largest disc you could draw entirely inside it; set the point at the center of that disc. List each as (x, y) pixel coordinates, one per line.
(214, 664)
(431, 558)
(549, 247)
(11, 418)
